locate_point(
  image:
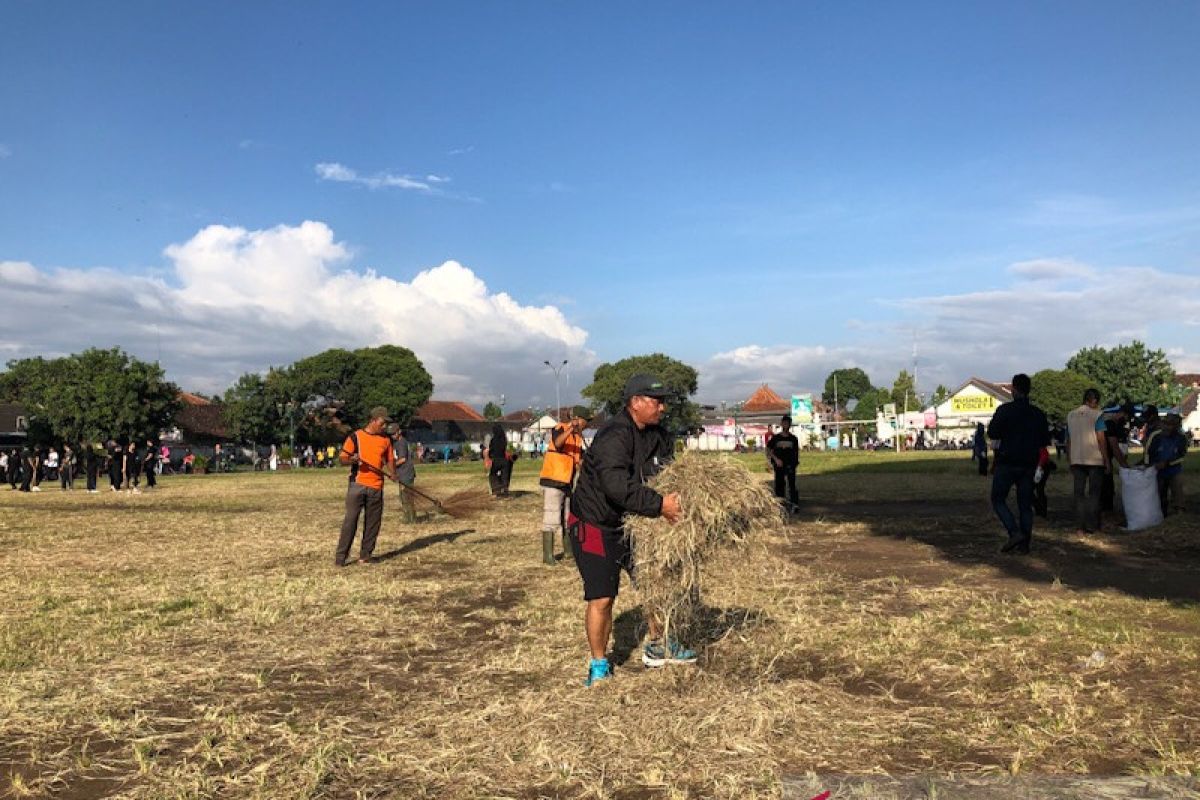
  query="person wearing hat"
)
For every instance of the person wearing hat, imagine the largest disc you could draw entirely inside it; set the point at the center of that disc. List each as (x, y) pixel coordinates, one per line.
(368, 451)
(625, 453)
(560, 464)
(783, 451)
(406, 471)
(1166, 449)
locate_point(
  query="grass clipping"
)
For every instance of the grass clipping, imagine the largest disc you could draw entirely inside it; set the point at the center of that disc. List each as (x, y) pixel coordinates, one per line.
(724, 505)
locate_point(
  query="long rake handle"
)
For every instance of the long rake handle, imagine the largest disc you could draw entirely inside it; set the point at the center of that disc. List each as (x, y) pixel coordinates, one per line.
(437, 503)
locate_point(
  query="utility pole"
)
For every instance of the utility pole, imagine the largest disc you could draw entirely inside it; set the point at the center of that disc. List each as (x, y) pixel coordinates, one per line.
(557, 396)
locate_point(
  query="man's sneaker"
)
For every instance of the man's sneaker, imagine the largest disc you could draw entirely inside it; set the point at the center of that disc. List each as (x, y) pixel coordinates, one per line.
(598, 670)
(654, 655)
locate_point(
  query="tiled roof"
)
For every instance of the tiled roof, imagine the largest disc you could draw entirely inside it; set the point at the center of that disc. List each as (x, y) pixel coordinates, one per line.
(448, 411)
(189, 399)
(1190, 379)
(1189, 403)
(764, 399)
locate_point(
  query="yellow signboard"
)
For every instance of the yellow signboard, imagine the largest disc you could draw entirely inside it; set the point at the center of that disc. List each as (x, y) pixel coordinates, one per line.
(972, 403)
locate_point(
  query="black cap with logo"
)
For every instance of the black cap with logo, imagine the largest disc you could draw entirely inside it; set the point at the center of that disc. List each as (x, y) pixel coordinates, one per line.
(646, 385)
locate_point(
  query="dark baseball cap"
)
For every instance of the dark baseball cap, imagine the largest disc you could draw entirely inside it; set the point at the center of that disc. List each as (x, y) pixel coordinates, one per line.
(646, 385)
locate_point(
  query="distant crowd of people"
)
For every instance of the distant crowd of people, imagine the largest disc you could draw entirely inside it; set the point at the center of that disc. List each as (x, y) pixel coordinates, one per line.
(128, 465)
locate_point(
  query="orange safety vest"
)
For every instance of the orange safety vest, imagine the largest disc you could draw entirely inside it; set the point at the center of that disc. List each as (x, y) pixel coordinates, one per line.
(558, 467)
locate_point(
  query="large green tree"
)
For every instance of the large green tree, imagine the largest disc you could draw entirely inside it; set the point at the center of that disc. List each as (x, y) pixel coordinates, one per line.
(252, 408)
(327, 392)
(92, 395)
(904, 392)
(1128, 372)
(1058, 391)
(849, 383)
(871, 403)
(491, 411)
(608, 385)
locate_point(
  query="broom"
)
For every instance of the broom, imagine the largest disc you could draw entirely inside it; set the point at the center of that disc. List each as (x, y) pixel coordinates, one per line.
(460, 504)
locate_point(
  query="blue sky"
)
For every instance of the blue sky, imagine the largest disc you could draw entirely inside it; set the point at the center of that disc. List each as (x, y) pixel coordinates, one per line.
(766, 191)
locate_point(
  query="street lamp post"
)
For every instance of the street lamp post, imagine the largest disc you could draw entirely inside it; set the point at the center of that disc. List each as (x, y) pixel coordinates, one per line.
(557, 396)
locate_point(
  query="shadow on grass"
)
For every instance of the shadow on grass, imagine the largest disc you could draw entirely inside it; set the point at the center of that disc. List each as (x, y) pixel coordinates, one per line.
(711, 625)
(1157, 564)
(424, 541)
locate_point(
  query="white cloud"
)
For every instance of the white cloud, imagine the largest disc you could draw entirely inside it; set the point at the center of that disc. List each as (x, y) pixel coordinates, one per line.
(1052, 269)
(1033, 324)
(5, 151)
(333, 171)
(238, 300)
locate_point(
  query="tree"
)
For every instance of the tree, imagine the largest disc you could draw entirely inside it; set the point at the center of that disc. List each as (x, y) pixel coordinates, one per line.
(940, 395)
(608, 385)
(851, 383)
(492, 412)
(1057, 392)
(870, 403)
(91, 395)
(355, 382)
(904, 393)
(250, 408)
(1127, 372)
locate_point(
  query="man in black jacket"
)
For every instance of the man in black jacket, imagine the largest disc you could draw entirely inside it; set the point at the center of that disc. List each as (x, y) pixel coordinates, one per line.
(625, 453)
(783, 450)
(1022, 431)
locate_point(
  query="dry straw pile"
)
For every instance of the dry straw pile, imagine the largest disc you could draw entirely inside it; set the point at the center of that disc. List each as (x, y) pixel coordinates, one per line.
(724, 504)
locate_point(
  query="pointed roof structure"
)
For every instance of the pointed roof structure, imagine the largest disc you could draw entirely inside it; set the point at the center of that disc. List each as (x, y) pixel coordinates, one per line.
(765, 400)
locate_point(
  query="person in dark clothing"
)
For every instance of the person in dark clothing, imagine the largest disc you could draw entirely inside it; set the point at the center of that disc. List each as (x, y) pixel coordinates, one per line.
(1041, 475)
(979, 449)
(1116, 434)
(1023, 432)
(500, 469)
(149, 461)
(783, 451)
(624, 454)
(92, 456)
(14, 468)
(30, 462)
(131, 468)
(406, 471)
(116, 459)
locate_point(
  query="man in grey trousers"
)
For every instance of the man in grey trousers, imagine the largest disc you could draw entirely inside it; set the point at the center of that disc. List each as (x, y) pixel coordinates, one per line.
(368, 451)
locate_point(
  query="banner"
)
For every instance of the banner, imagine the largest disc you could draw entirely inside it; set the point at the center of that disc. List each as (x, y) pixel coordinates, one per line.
(802, 409)
(973, 403)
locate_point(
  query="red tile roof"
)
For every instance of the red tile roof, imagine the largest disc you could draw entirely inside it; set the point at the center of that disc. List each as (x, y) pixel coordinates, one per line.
(763, 400)
(448, 411)
(1189, 379)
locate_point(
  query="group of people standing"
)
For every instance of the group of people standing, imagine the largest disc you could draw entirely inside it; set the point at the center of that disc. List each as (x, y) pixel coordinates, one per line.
(125, 464)
(1095, 444)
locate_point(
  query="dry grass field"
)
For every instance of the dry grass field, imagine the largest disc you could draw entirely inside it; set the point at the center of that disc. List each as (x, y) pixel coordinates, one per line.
(197, 641)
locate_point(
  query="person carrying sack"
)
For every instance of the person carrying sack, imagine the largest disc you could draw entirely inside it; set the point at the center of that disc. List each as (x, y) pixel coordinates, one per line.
(368, 452)
(560, 465)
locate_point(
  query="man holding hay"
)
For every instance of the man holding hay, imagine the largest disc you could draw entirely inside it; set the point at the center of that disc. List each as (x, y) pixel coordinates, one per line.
(625, 453)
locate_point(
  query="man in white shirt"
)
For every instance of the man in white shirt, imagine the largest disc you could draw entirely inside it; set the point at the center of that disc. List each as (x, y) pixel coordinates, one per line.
(1086, 449)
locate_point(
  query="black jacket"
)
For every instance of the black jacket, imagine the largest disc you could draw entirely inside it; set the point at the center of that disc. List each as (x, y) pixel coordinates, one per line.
(1022, 430)
(613, 475)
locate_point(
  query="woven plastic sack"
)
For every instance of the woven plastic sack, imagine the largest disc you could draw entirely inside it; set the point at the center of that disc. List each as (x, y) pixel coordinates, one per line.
(1139, 494)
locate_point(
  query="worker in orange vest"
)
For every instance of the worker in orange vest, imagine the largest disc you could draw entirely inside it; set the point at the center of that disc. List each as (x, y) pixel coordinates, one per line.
(564, 451)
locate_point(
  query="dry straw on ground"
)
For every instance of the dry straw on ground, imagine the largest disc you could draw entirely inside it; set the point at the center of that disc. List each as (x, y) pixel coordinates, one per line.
(723, 505)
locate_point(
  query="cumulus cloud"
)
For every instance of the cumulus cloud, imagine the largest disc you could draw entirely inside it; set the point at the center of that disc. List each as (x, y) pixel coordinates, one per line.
(237, 300)
(1036, 323)
(340, 173)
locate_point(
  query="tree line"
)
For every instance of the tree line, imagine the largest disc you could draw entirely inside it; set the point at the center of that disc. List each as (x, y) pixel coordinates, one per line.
(98, 394)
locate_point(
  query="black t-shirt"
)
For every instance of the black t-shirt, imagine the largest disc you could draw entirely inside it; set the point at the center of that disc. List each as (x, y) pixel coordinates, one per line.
(786, 448)
(1115, 429)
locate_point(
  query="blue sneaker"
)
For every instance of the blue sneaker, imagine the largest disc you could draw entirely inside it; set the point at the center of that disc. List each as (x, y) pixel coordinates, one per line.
(654, 655)
(598, 670)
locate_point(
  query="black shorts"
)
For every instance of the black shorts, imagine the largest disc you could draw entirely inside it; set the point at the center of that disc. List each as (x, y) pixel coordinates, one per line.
(600, 555)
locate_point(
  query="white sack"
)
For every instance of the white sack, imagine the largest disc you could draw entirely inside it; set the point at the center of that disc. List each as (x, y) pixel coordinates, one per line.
(1139, 494)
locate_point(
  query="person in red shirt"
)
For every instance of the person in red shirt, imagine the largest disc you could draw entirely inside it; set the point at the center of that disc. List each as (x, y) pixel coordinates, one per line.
(368, 451)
